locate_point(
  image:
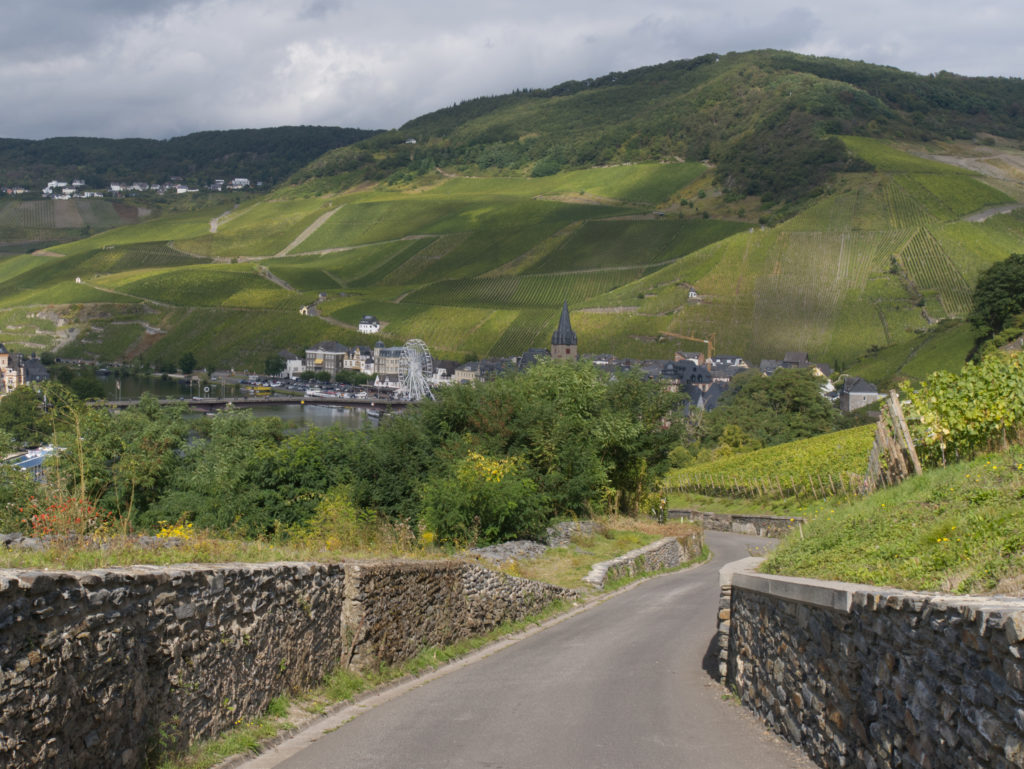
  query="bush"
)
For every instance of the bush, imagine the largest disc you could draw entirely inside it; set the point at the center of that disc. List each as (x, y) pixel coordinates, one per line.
(482, 500)
(979, 409)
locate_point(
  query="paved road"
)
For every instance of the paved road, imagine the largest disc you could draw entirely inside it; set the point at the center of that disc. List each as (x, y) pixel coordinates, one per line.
(620, 685)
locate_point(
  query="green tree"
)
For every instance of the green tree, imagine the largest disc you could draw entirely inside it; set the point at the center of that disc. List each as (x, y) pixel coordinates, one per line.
(273, 365)
(585, 442)
(221, 482)
(24, 418)
(482, 500)
(352, 377)
(998, 295)
(16, 486)
(187, 363)
(765, 411)
(122, 461)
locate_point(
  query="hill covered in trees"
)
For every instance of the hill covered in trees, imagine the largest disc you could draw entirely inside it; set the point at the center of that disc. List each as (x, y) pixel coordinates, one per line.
(267, 154)
(767, 120)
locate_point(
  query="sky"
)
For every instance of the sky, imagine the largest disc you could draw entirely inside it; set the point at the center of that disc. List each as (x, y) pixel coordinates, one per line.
(162, 68)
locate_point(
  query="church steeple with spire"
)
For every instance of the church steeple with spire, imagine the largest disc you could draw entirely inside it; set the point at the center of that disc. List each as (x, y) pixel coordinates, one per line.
(563, 341)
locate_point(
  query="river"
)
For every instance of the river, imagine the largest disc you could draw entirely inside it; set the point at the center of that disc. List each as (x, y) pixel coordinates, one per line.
(297, 417)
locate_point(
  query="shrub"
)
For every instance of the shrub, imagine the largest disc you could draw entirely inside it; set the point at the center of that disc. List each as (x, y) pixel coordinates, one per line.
(482, 500)
(979, 409)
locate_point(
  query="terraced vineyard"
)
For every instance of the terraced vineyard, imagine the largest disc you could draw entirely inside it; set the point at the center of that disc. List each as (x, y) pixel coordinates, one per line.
(50, 221)
(825, 466)
(935, 275)
(205, 286)
(524, 290)
(481, 266)
(137, 256)
(905, 210)
(261, 229)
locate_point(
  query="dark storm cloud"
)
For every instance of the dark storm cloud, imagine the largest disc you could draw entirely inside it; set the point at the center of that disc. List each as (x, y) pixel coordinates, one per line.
(132, 68)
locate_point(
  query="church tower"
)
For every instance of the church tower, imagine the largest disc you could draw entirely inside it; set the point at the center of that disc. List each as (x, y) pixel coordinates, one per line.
(563, 341)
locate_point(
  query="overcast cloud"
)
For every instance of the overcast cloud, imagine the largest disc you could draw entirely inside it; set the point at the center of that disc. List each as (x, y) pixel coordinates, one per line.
(162, 68)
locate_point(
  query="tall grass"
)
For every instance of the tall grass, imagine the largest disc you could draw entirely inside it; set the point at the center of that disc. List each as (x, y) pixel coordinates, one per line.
(958, 529)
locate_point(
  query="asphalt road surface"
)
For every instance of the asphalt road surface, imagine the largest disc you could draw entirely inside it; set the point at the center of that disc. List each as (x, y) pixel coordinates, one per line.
(619, 685)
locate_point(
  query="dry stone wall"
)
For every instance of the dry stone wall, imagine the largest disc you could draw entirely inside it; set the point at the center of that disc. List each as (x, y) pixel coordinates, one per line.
(664, 554)
(755, 525)
(98, 667)
(868, 677)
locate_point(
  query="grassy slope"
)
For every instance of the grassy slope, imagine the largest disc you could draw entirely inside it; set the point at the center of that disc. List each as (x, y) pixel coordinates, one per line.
(825, 465)
(490, 258)
(824, 281)
(959, 528)
(472, 264)
(378, 252)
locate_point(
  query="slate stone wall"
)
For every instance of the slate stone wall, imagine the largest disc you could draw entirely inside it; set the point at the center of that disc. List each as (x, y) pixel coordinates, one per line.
(757, 525)
(664, 554)
(98, 667)
(867, 677)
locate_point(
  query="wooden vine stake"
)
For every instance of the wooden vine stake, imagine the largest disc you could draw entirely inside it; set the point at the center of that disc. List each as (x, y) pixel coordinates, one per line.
(893, 455)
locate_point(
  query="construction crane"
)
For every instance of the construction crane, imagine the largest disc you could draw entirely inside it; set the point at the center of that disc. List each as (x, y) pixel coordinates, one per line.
(709, 342)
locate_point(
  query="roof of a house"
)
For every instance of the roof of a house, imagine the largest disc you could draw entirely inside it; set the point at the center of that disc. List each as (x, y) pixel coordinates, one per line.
(330, 347)
(685, 371)
(855, 384)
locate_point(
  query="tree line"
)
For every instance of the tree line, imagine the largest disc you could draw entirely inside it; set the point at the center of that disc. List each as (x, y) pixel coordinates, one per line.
(483, 463)
(266, 154)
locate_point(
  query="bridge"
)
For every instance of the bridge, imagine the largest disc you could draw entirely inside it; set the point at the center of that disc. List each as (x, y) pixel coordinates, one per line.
(213, 404)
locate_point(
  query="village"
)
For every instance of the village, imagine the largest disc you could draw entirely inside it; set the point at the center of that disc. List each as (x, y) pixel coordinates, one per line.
(702, 375)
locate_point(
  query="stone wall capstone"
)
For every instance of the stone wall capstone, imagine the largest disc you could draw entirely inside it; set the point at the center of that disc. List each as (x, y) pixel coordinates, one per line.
(772, 526)
(98, 667)
(872, 677)
(666, 553)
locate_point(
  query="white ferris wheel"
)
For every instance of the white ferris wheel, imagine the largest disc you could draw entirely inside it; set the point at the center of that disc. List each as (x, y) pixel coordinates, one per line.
(417, 368)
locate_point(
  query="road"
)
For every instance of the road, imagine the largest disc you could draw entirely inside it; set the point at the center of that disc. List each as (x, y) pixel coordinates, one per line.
(619, 685)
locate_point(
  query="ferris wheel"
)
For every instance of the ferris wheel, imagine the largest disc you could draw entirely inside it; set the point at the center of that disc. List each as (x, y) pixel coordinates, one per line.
(417, 368)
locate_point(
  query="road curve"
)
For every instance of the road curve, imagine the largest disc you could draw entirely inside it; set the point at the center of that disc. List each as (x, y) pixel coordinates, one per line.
(620, 685)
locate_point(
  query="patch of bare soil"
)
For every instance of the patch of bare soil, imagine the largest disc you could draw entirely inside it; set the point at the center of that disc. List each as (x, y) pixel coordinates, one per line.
(998, 162)
(143, 343)
(1010, 586)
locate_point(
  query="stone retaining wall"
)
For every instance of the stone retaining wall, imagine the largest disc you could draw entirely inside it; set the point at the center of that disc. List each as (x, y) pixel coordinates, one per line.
(664, 554)
(756, 525)
(870, 677)
(98, 667)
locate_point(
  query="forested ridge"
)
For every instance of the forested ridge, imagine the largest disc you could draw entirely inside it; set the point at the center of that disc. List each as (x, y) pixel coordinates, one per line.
(265, 154)
(766, 119)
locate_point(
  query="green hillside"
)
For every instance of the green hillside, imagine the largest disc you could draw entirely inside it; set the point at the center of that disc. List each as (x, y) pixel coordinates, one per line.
(768, 120)
(27, 225)
(860, 246)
